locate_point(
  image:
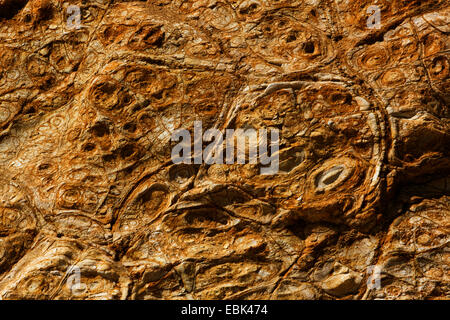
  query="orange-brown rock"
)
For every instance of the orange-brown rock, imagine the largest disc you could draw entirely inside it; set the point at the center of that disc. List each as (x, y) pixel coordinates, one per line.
(92, 207)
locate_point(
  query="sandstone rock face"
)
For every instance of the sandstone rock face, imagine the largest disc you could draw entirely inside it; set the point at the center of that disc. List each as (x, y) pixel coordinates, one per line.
(92, 206)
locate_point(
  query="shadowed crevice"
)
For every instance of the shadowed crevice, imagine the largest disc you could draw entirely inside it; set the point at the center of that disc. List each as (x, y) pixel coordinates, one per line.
(9, 8)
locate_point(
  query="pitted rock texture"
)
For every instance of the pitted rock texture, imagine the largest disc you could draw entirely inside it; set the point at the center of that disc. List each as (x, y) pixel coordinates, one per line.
(87, 181)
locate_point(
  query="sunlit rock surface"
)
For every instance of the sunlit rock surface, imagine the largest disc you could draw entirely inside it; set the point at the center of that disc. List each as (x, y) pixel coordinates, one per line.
(92, 207)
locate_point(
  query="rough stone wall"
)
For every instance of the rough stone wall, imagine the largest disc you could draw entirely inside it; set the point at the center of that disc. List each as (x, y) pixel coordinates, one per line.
(89, 195)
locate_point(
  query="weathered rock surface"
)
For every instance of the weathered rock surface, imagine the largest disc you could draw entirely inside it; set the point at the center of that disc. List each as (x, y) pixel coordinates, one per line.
(87, 182)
